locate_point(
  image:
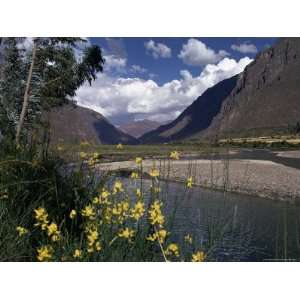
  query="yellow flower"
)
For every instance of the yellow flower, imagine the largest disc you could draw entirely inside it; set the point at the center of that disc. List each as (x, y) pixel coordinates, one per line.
(53, 232)
(126, 233)
(105, 194)
(103, 198)
(88, 212)
(199, 256)
(83, 155)
(91, 162)
(160, 235)
(44, 253)
(120, 211)
(118, 187)
(77, 253)
(155, 213)
(92, 236)
(188, 239)
(21, 230)
(138, 193)
(98, 246)
(96, 200)
(172, 249)
(96, 155)
(189, 182)
(134, 175)
(174, 155)
(138, 160)
(60, 148)
(73, 214)
(154, 172)
(42, 218)
(120, 147)
(93, 242)
(138, 210)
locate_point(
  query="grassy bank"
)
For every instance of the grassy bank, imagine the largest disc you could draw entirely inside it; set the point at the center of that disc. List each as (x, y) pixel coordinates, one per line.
(49, 213)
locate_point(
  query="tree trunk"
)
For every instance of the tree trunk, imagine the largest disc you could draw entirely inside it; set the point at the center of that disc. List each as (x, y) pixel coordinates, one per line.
(26, 96)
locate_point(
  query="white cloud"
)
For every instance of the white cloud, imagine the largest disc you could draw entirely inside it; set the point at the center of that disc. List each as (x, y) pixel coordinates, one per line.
(138, 69)
(158, 49)
(244, 48)
(114, 62)
(146, 99)
(196, 53)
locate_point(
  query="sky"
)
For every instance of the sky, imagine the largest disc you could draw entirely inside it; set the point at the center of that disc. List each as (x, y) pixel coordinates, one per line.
(157, 78)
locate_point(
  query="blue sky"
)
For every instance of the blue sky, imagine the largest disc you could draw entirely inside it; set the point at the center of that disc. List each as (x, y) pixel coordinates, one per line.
(157, 78)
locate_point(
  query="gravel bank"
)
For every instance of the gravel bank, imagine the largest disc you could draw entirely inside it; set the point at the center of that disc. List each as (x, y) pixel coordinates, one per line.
(255, 177)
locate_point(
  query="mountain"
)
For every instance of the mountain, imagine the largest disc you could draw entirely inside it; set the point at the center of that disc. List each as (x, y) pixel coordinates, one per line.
(139, 128)
(72, 124)
(264, 98)
(198, 116)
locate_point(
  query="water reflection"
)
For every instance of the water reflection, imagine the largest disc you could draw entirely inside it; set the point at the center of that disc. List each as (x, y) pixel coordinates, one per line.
(230, 227)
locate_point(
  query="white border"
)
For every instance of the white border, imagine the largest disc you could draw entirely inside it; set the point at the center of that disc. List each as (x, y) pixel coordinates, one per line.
(151, 281)
(169, 18)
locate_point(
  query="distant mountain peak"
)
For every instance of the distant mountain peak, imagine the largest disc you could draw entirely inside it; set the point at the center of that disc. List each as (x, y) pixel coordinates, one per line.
(139, 127)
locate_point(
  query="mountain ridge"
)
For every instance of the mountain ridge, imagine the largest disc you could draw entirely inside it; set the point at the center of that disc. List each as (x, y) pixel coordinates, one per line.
(265, 97)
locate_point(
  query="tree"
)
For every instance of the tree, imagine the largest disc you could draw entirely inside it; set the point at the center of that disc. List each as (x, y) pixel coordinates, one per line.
(55, 74)
(11, 86)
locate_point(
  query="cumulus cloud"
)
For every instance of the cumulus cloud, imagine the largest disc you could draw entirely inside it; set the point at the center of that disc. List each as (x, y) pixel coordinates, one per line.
(145, 99)
(137, 69)
(158, 49)
(196, 53)
(115, 63)
(244, 48)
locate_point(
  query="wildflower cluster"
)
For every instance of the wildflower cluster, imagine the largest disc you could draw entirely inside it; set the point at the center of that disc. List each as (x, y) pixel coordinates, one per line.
(92, 236)
(155, 214)
(139, 160)
(188, 239)
(154, 172)
(90, 228)
(174, 155)
(134, 175)
(199, 256)
(89, 212)
(138, 210)
(172, 249)
(160, 235)
(44, 253)
(126, 233)
(189, 182)
(21, 230)
(94, 159)
(53, 232)
(41, 217)
(118, 187)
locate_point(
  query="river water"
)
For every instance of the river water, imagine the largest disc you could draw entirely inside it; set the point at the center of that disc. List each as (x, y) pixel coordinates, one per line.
(229, 226)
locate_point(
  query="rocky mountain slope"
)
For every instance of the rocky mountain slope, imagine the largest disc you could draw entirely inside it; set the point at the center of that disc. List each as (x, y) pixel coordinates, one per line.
(264, 98)
(139, 128)
(197, 117)
(267, 95)
(73, 124)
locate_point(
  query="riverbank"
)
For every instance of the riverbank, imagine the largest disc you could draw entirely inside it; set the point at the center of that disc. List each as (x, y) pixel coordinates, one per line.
(261, 178)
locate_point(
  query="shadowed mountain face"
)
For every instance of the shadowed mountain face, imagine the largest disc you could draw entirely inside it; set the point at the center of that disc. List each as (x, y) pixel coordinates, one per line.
(72, 124)
(197, 117)
(138, 128)
(263, 99)
(266, 98)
